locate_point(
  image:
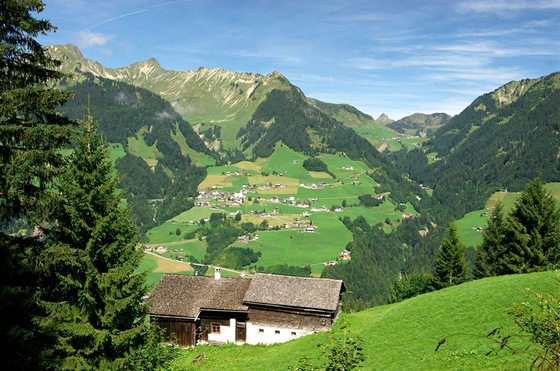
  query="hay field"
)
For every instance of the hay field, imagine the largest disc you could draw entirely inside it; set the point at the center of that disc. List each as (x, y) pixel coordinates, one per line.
(170, 266)
(216, 180)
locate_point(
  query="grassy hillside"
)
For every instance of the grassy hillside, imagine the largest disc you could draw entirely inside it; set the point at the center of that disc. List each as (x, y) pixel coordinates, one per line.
(403, 336)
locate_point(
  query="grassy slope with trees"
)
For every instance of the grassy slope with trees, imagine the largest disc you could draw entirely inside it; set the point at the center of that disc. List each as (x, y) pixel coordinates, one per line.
(405, 335)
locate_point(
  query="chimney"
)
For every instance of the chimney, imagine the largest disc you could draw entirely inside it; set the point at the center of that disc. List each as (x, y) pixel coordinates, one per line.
(217, 273)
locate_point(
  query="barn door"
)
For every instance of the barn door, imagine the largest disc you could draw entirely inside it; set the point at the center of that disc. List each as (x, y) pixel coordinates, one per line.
(240, 332)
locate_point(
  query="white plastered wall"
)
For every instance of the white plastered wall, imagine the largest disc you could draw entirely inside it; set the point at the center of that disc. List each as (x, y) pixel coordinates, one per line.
(227, 333)
(257, 334)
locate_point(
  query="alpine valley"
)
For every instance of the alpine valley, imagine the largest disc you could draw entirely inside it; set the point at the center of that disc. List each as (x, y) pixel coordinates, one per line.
(243, 171)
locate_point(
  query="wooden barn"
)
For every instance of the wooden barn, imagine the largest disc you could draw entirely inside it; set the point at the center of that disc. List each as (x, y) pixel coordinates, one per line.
(282, 308)
(265, 309)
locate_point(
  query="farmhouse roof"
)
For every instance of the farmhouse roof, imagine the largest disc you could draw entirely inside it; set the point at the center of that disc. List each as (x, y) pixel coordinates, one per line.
(295, 292)
(185, 296)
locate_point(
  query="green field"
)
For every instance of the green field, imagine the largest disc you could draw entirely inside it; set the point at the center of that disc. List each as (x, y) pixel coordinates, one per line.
(286, 246)
(404, 336)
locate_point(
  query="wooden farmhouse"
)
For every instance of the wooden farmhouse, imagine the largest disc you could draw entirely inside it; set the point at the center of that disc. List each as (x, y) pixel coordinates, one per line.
(266, 309)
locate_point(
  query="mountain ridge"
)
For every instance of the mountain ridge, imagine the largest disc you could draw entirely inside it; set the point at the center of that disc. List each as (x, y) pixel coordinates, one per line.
(420, 124)
(502, 140)
(205, 97)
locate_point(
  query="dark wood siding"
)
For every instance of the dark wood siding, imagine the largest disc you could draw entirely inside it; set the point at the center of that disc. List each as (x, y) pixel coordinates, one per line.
(293, 319)
(185, 331)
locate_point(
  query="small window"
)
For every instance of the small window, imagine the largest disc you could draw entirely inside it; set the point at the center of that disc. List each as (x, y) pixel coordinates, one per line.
(261, 330)
(293, 333)
(277, 332)
(215, 328)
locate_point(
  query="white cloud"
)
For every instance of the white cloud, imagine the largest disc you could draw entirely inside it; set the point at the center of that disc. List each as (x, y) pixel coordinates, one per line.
(163, 115)
(88, 38)
(505, 6)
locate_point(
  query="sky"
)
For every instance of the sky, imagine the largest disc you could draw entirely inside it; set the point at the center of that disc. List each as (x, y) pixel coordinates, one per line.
(395, 57)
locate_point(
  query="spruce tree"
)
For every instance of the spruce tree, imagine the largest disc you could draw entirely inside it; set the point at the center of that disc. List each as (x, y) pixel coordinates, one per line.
(533, 238)
(451, 265)
(492, 246)
(31, 132)
(31, 135)
(92, 298)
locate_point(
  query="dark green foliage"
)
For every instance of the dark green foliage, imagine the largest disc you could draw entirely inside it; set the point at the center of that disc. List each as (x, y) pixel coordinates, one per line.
(31, 136)
(344, 352)
(316, 164)
(526, 240)
(92, 300)
(410, 285)
(248, 227)
(536, 212)
(30, 130)
(376, 261)
(18, 303)
(123, 109)
(451, 266)
(237, 257)
(492, 247)
(361, 222)
(222, 233)
(289, 270)
(368, 200)
(286, 110)
(153, 355)
(378, 258)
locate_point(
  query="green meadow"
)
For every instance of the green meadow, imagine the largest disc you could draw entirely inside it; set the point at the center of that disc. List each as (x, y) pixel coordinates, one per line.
(282, 175)
(405, 335)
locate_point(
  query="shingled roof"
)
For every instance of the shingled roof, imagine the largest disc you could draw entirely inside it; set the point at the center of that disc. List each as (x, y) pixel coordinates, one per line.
(185, 296)
(295, 292)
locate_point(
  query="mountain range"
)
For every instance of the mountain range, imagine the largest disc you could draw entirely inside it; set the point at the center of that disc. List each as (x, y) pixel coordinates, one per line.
(503, 139)
(170, 132)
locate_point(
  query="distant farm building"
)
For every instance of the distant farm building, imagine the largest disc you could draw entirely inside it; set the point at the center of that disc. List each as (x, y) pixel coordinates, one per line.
(263, 310)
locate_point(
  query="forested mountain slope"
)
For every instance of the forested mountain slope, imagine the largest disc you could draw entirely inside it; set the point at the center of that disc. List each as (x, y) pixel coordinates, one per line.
(157, 171)
(501, 141)
(215, 101)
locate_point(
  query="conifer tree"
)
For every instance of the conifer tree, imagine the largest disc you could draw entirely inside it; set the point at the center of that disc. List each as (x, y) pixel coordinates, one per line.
(31, 135)
(492, 244)
(451, 265)
(532, 241)
(92, 299)
(31, 132)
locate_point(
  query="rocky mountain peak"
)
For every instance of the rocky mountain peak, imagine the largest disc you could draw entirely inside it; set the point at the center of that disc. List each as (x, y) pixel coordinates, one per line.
(384, 119)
